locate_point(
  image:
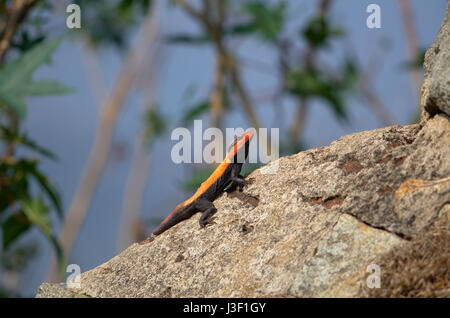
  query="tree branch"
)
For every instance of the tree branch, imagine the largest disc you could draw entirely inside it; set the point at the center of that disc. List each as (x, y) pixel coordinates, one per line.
(412, 43)
(242, 93)
(217, 95)
(15, 15)
(309, 59)
(214, 28)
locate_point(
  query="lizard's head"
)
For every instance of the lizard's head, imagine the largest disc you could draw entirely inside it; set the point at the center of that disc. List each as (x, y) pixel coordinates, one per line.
(239, 143)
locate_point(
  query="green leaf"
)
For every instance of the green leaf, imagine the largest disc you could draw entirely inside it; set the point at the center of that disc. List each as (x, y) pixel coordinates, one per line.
(23, 139)
(38, 214)
(25, 42)
(241, 29)
(234, 30)
(337, 105)
(15, 77)
(13, 103)
(312, 83)
(349, 76)
(197, 178)
(44, 87)
(18, 174)
(318, 31)
(14, 74)
(304, 82)
(417, 62)
(13, 227)
(125, 5)
(14, 181)
(195, 112)
(267, 20)
(50, 190)
(155, 124)
(188, 39)
(109, 23)
(19, 256)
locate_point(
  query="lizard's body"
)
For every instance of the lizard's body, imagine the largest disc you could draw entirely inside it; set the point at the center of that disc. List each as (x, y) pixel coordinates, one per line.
(202, 200)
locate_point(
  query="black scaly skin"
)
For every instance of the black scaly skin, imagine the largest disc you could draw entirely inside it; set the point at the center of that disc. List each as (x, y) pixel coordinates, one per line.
(229, 181)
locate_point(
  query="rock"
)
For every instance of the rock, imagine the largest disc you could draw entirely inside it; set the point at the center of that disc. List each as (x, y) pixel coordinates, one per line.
(310, 230)
(421, 268)
(341, 259)
(435, 95)
(57, 291)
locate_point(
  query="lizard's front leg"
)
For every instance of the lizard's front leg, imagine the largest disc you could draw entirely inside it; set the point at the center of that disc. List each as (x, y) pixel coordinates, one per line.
(237, 178)
(208, 209)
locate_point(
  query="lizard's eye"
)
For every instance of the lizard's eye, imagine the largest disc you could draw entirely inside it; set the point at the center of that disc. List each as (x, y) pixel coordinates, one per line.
(240, 140)
(233, 142)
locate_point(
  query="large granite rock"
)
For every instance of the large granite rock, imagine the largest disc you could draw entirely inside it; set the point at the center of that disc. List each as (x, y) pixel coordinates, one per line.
(436, 86)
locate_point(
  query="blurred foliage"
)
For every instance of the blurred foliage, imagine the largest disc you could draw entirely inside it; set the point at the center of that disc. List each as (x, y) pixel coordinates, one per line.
(266, 20)
(27, 196)
(16, 82)
(21, 208)
(109, 23)
(314, 84)
(198, 176)
(155, 125)
(194, 112)
(301, 74)
(32, 31)
(17, 259)
(318, 31)
(417, 63)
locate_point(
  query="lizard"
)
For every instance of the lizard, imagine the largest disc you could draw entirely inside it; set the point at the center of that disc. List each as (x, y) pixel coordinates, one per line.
(226, 177)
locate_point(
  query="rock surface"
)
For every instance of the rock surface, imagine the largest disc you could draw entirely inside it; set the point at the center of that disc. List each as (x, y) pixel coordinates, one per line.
(313, 228)
(436, 86)
(57, 291)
